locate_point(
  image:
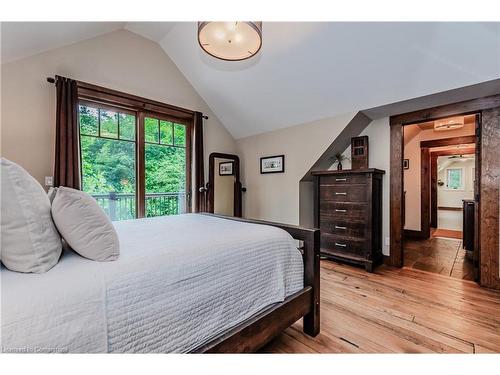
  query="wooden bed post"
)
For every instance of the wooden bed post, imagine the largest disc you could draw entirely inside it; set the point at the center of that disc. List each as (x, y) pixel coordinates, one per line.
(311, 278)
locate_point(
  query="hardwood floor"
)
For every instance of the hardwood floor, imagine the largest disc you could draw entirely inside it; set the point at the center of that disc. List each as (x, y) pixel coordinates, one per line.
(397, 310)
(458, 234)
(439, 255)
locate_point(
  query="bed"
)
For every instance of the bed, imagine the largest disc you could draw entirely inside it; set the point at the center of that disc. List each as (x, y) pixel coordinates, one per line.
(187, 283)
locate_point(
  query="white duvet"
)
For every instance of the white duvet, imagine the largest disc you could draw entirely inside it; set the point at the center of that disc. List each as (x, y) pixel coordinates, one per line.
(179, 282)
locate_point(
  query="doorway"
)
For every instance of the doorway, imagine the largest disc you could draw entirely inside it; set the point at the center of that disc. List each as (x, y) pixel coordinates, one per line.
(224, 186)
(439, 159)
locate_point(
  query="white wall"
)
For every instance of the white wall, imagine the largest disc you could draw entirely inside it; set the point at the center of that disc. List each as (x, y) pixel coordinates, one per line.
(412, 183)
(120, 60)
(379, 145)
(453, 198)
(275, 196)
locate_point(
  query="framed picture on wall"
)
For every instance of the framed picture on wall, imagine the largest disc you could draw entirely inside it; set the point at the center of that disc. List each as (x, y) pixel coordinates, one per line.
(226, 168)
(272, 164)
(406, 163)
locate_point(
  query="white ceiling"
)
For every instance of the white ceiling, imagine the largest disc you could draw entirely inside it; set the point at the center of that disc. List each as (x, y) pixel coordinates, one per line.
(305, 71)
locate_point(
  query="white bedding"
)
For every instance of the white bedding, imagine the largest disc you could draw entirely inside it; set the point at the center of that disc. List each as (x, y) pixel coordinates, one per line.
(180, 281)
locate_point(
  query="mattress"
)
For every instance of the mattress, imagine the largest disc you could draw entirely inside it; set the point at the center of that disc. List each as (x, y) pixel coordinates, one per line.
(180, 281)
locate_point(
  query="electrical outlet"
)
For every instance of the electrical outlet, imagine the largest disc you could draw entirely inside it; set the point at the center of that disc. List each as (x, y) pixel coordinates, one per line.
(48, 181)
(387, 241)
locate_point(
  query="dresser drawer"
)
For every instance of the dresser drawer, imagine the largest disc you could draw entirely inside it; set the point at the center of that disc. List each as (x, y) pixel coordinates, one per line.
(333, 225)
(343, 244)
(343, 179)
(343, 211)
(343, 193)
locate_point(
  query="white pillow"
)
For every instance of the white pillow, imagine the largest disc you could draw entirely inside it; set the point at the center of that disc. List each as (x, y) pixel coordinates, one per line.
(30, 241)
(84, 225)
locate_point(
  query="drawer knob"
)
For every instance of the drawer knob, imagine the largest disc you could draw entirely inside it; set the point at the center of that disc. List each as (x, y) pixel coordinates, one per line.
(341, 179)
(338, 227)
(339, 210)
(337, 193)
(340, 244)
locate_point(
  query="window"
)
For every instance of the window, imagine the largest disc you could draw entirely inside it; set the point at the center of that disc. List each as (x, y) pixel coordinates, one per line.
(454, 179)
(112, 158)
(108, 159)
(165, 166)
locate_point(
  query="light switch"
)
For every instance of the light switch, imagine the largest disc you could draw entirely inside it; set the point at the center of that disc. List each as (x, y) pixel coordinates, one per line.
(48, 181)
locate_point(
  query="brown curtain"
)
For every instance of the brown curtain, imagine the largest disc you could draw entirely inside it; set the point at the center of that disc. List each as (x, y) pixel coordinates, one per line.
(67, 160)
(199, 163)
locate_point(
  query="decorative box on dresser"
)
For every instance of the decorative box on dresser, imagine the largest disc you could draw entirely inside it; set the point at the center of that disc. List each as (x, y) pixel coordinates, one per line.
(348, 212)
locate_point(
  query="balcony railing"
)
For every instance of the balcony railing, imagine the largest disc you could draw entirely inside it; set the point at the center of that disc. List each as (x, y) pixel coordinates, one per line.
(121, 206)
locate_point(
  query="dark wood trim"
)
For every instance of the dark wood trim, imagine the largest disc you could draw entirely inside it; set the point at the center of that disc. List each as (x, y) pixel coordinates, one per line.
(467, 139)
(425, 192)
(141, 173)
(487, 178)
(450, 208)
(237, 209)
(489, 198)
(428, 180)
(189, 166)
(261, 328)
(435, 113)
(396, 195)
(477, 199)
(461, 151)
(434, 191)
(413, 234)
(121, 99)
(140, 107)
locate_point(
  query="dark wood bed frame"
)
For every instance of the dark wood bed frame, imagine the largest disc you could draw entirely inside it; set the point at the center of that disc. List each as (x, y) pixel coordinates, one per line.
(258, 330)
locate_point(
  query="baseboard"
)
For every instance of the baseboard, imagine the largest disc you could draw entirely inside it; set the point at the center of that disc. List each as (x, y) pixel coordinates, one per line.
(414, 234)
(450, 208)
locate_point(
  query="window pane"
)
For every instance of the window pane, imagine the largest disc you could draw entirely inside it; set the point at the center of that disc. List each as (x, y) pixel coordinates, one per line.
(165, 180)
(89, 120)
(151, 130)
(127, 127)
(454, 178)
(179, 135)
(166, 133)
(109, 124)
(108, 170)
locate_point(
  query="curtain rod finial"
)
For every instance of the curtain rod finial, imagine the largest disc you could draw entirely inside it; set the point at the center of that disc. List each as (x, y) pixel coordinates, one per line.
(51, 80)
(205, 117)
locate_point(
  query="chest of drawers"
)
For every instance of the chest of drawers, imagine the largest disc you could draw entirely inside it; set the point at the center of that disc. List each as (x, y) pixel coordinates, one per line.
(348, 212)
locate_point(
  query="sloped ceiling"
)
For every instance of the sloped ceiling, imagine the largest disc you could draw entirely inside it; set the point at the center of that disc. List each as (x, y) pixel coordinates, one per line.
(23, 39)
(309, 71)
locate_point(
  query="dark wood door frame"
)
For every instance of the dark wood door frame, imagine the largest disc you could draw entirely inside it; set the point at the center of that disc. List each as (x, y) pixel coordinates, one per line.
(488, 152)
(428, 179)
(433, 179)
(237, 182)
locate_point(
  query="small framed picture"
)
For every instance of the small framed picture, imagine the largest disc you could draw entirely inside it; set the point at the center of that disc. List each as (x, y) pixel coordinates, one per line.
(406, 163)
(272, 164)
(226, 168)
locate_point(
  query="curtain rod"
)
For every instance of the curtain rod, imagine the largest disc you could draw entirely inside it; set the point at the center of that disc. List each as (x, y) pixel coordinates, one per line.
(53, 80)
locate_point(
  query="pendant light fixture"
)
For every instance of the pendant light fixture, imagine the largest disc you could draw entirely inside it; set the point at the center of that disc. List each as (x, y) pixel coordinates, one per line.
(232, 41)
(449, 123)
